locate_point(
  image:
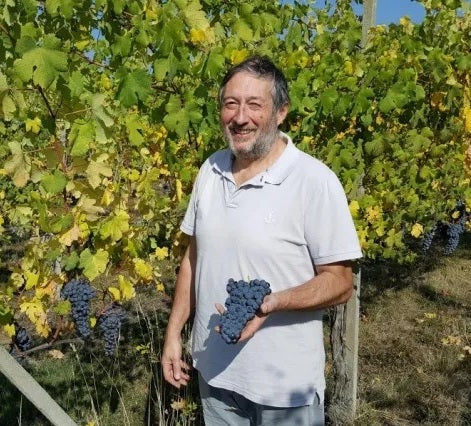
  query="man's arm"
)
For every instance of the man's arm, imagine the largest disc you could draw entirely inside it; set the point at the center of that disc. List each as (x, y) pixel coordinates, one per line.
(332, 285)
(173, 367)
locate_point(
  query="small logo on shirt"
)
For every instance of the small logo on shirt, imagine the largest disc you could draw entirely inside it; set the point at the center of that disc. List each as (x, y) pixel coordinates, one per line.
(270, 218)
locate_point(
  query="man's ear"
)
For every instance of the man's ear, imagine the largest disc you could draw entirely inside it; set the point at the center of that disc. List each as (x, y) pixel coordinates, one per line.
(281, 114)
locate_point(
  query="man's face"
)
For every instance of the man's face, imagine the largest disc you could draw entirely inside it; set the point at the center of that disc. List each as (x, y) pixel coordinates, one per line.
(249, 123)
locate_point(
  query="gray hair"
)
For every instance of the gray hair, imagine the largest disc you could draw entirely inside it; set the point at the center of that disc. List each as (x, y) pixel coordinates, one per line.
(261, 67)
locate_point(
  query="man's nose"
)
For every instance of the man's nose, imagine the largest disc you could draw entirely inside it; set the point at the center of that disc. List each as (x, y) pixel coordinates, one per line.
(241, 116)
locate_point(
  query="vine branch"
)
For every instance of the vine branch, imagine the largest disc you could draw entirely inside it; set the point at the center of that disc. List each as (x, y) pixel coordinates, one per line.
(46, 101)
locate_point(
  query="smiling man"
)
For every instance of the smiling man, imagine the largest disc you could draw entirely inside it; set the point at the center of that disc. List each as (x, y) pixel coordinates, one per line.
(261, 209)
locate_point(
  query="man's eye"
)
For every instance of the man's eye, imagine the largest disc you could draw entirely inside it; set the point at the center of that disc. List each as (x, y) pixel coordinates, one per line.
(254, 105)
(230, 105)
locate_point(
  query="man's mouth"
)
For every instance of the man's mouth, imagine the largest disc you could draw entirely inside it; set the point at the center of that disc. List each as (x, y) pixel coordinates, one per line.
(241, 131)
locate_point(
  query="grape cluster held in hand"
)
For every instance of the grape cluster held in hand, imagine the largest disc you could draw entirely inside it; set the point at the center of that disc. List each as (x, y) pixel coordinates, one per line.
(243, 302)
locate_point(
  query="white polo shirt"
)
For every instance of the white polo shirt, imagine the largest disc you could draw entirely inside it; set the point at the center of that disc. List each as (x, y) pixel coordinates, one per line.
(275, 227)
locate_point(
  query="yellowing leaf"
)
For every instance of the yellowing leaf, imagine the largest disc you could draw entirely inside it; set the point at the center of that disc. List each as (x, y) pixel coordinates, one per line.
(238, 56)
(467, 118)
(97, 169)
(197, 35)
(31, 279)
(18, 166)
(354, 207)
(143, 269)
(68, 237)
(417, 230)
(455, 215)
(126, 288)
(9, 329)
(56, 354)
(34, 310)
(161, 253)
(33, 125)
(115, 293)
(92, 322)
(430, 315)
(373, 213)
(178, 189)
(160, 287)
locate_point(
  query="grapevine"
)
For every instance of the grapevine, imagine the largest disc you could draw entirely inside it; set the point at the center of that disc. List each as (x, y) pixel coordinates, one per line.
(107, 122)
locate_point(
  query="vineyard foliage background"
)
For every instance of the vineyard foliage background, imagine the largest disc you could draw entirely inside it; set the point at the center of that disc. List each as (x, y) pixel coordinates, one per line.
(108, 108)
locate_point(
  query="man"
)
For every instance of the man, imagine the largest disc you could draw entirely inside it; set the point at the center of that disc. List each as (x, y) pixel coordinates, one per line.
(261, 209)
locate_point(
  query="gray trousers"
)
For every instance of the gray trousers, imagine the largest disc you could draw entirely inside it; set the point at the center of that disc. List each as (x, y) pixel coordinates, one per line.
(222, 407)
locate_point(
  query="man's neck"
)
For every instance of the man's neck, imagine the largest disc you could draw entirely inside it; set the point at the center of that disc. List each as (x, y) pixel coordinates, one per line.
(244, 169)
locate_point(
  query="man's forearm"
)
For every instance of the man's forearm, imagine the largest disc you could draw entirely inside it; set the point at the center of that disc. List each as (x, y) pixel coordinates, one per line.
(331, 286)
(184, 298)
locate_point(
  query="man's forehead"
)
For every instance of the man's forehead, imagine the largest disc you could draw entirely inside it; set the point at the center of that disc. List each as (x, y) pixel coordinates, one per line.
(246, 79)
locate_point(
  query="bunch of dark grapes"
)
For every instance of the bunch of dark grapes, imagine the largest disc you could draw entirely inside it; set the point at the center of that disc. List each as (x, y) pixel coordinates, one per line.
(79, 293)
(453, 233)
(110, 322)
(428, 238)
(22, 339)
(243, 302)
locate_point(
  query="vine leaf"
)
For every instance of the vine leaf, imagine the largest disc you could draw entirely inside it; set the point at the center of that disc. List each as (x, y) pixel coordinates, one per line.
(54, 183)
(18, 166)
(42, 65)
(115, 226)
(93, 265)
(97, 169)
(134, 87)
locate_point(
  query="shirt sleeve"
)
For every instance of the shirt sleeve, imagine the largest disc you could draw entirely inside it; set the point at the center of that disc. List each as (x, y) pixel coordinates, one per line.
(329, 228)
(189, 220)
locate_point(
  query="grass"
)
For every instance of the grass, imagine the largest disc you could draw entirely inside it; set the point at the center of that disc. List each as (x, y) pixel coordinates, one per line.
(414, 359)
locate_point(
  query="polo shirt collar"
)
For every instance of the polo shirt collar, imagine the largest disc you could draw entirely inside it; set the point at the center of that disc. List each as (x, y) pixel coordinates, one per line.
(274, 175)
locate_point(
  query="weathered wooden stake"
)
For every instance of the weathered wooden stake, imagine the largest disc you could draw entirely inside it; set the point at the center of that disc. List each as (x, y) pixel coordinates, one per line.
(345, 322)
(30, 388)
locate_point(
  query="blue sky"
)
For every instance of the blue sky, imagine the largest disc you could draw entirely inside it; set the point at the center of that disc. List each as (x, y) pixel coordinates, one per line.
(390, 11)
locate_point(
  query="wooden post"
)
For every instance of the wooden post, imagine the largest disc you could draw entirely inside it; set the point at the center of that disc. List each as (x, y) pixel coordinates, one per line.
(30, 388)
(345, 322)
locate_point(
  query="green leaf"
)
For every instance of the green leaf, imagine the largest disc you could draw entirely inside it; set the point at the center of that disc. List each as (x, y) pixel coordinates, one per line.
(42, 65)
(66, 7)
(97, 102)
(115, 226)
(243, 30)
(464, 62)
(70, 262)
(82, 134)
(54, 183)
(134, 128)
(135, 87)
(6, 315)
(93, 265)
(194, 16)
(62, 307)
(76, 85)
(215, 62)
(122, 45)
(328, 99)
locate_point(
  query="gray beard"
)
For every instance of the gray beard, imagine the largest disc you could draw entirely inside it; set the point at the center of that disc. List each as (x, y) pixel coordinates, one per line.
(261, 146)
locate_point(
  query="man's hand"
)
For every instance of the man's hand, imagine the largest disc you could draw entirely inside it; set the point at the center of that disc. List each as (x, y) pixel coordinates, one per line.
(268, 305)
(175, 370)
